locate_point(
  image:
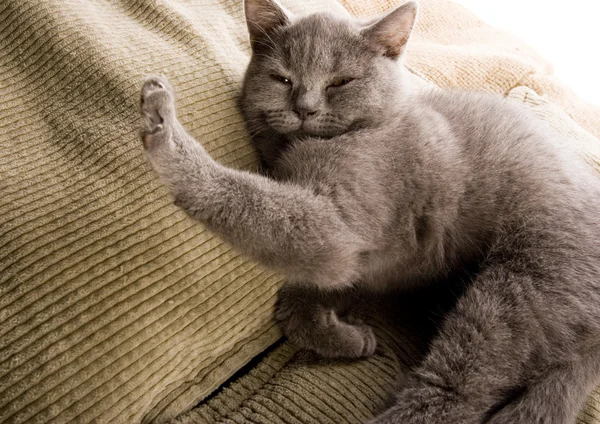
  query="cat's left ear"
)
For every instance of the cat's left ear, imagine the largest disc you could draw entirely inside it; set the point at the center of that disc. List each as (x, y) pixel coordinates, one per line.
(263, 17)
(390, 34)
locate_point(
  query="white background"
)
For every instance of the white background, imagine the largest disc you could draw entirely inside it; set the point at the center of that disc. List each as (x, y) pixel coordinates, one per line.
(565, 32)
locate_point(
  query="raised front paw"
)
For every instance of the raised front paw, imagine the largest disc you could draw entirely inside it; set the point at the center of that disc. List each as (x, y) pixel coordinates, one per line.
(157, 109)
(181, 162)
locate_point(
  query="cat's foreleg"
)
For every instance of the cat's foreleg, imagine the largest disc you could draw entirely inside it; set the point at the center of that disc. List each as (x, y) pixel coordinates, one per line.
(284, 226)
(321, 322)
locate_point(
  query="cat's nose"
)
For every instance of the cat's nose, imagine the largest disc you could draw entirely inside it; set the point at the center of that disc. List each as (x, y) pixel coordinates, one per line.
(304, 113)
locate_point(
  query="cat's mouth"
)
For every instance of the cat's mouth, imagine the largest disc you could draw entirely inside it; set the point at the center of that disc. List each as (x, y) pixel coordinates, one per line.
(311, 127)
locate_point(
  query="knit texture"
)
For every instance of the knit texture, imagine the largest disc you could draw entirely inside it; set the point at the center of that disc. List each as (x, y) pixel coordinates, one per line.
(114, 306)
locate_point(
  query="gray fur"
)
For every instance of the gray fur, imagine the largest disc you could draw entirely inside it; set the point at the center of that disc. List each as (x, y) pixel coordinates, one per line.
(371, 184)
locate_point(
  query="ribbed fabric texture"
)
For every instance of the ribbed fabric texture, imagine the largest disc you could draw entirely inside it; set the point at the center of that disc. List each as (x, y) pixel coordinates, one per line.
(286, 388)
(115, 307)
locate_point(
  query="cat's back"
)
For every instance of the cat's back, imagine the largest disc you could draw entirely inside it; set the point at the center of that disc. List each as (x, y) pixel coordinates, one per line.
(487, 124)
(508, 147)
(529, 171)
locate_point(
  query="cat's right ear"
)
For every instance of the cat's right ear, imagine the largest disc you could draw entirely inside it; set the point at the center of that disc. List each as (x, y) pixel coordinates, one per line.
(263, 17)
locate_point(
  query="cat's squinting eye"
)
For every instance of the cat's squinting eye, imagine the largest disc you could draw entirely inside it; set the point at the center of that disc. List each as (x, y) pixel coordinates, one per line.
(340, 81)
(281, 79)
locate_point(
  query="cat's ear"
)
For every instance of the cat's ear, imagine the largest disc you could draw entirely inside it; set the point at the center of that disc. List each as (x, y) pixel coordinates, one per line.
(263, 17)
(391, 33)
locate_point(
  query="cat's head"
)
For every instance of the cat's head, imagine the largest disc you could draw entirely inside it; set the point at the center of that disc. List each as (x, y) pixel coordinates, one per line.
(321, 75)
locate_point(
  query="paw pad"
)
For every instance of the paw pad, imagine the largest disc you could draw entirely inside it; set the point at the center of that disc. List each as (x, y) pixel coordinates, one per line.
(157, 109)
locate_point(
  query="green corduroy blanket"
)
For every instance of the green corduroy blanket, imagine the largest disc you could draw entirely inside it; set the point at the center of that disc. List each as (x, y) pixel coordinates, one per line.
(114, 306)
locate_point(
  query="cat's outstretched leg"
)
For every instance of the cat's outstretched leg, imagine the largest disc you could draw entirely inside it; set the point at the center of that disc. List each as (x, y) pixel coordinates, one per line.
(319, 321)
(284, 226)
(486, 347)
(554, 397)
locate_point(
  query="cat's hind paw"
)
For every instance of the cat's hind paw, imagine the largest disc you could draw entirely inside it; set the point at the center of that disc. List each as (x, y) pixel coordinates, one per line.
(157, 109)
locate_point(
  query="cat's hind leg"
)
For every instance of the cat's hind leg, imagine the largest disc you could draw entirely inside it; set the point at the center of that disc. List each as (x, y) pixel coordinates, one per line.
(555, 396)
(483, 348)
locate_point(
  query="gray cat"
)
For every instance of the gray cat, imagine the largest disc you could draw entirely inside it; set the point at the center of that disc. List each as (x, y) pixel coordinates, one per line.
(371, 183)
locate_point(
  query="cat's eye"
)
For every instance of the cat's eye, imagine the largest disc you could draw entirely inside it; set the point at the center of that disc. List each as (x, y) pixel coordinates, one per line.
(281, 79)
(340, 81)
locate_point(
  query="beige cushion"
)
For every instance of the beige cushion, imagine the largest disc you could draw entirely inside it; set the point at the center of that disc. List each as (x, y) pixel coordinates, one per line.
(115, 307)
